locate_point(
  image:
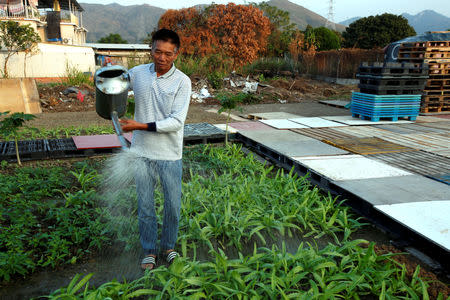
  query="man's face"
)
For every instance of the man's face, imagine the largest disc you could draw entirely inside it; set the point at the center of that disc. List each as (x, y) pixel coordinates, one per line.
(164, 54)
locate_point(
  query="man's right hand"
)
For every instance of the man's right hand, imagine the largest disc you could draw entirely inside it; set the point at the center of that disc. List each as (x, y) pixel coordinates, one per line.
(130, 125)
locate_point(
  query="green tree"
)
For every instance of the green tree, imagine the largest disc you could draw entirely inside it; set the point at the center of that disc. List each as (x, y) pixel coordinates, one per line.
(15, 38)
(326, 39)
(112, 38)
(377, 31)
(10, 125)
(283, 31)
(310, 41)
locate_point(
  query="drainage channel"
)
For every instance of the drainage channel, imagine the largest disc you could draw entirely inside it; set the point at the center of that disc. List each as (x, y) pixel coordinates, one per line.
(198, 133)
(403, 236)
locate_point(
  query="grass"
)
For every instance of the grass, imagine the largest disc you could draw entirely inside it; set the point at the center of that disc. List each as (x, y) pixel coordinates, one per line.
(240, 221)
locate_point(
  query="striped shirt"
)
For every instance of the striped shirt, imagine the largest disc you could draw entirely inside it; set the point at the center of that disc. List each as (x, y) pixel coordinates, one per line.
(164, 100)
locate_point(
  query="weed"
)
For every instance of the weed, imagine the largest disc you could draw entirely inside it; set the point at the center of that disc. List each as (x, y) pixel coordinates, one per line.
(75, 77)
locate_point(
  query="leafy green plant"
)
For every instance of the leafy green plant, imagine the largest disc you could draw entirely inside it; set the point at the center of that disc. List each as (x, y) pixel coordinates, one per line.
(39, 228)
(215, 79)
(11, 124)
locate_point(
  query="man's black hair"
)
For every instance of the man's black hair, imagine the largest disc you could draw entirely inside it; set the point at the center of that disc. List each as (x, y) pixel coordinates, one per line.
(166, 35)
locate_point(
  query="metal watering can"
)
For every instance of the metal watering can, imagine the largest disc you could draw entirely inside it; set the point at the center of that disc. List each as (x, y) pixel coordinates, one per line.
(111, 93)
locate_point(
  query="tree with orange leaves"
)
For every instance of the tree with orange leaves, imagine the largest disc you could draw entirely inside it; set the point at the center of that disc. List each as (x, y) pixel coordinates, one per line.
(237, 31)
(191, 26)
(241, 30)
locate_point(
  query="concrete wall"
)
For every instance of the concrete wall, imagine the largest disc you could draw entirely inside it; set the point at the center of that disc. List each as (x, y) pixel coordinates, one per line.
(19, 95)
(50, 60)
(74, 34)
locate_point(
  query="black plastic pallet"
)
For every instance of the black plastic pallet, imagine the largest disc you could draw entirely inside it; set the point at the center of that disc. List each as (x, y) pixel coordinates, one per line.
(398, 82)
(393, 69)
(389, 90)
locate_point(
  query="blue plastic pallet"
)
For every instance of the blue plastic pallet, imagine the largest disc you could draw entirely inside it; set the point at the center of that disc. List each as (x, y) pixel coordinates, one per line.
(383, 97)
(387, 106)
(377, 118)
(377, 99)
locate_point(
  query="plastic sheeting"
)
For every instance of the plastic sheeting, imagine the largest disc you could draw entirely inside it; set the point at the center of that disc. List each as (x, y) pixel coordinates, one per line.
(391, 51)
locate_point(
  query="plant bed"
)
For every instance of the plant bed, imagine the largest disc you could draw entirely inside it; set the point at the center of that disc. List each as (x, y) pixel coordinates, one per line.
(246, 230)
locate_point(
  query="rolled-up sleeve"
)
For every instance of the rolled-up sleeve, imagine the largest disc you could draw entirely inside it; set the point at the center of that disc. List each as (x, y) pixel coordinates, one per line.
(178, 112)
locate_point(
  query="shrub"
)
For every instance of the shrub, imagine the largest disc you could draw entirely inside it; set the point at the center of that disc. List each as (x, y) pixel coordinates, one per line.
(327, 39)
(75, 77)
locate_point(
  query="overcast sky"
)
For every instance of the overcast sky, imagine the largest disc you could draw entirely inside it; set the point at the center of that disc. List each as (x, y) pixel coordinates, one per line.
(343, 9)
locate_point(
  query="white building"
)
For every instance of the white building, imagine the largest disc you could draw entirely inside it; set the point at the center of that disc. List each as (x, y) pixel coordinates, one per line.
(59, 24)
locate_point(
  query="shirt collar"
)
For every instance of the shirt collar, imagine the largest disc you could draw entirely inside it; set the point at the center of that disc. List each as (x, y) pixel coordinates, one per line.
(166, 75)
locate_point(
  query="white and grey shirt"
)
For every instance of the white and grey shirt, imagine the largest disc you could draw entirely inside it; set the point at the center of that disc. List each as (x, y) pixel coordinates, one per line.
(164, 100)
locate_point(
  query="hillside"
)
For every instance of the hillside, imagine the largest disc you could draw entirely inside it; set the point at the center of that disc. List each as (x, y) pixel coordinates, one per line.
(427, 20)
(302, 16)
(132, 22)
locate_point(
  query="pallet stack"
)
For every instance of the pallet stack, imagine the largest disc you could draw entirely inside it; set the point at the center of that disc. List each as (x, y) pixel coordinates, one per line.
(389, 90)
(436, 96)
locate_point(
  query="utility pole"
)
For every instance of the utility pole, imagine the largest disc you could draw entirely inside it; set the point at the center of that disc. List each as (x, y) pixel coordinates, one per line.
(330, 17)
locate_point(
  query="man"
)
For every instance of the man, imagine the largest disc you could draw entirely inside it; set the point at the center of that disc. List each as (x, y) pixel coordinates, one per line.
(162, 95)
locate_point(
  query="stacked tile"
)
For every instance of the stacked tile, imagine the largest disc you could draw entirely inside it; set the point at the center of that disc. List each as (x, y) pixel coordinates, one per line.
(436, 96)
(389, 90)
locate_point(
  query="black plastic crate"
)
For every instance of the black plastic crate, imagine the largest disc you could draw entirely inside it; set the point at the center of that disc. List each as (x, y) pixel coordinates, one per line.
(31, 149)
(393, 69)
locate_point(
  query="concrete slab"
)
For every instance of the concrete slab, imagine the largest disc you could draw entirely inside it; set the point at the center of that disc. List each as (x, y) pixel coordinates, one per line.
(276, 115)
(393, 190)
(291, 144)
(283, 124)
(428, 218)
(337, 103)
(315, 122)
(250, 125)
(224, 127)
(427, 119)
(349, 120)
(350, 167)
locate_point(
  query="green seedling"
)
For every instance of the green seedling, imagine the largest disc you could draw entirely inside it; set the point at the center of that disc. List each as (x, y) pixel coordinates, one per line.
(11, 124)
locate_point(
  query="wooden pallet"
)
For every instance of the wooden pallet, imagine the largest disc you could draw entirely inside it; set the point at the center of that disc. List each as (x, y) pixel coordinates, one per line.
(426, 44)
(435, 100)
(367, 145)
(433, 109)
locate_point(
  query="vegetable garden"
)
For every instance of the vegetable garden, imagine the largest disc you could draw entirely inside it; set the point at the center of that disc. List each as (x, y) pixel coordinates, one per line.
(247, 231)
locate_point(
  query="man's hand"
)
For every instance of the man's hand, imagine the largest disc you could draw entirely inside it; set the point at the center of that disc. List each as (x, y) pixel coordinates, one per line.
(130, 125)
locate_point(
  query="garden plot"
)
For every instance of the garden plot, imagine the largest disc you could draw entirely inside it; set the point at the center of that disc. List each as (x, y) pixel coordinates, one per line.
(246, 230)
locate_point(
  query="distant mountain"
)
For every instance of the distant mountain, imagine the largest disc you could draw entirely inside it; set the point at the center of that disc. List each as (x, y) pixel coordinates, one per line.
(132, 22)
(302, 16)
(349, 21)
(428, 20)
